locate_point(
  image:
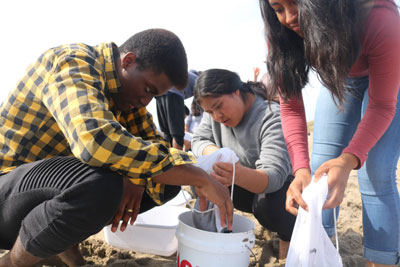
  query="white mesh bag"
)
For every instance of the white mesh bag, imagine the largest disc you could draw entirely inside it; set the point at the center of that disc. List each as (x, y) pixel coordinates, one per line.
(310, 245)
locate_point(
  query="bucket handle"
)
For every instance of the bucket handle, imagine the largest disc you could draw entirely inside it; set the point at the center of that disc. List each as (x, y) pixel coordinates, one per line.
(254, 263)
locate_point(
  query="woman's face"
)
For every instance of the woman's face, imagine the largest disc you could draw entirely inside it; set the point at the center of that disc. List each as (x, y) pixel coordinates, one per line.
(287, 13)
(226, 109)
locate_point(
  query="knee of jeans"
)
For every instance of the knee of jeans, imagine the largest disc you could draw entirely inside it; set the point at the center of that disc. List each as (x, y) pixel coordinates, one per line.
(375, 178)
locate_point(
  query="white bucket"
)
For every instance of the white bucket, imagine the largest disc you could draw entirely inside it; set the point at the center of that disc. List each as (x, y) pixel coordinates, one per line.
(198, 248)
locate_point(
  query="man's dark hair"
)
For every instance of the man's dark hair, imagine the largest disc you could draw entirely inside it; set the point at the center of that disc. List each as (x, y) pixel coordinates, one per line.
(161, 51)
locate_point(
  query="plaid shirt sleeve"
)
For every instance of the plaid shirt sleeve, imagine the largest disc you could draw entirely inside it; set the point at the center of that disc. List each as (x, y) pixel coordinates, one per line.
(132, 147)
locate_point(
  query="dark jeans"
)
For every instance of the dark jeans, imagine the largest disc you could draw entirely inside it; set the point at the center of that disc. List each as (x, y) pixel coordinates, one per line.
(171, 117)
(269, 209)
(55, 203)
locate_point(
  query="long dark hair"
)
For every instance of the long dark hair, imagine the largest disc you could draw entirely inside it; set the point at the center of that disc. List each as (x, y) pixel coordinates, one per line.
(218, 82)
(331, 45)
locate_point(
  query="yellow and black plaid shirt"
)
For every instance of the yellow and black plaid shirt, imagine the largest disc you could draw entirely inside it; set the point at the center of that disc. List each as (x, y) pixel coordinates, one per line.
(63, 107)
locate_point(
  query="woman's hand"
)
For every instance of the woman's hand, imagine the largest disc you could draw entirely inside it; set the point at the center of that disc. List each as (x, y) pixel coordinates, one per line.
(223, 172)
(293, 196)
(338, 171)
(129, 206)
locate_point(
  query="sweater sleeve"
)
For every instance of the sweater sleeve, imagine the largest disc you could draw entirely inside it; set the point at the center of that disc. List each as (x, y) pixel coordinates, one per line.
(381, 47)
(274, 157)
(294, 129)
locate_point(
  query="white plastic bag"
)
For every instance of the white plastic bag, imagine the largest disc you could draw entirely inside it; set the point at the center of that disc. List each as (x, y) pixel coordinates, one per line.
(205, 220)
(310, 245)
(224, 154)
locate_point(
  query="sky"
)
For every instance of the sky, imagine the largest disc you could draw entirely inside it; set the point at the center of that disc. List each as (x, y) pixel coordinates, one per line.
(216, 33)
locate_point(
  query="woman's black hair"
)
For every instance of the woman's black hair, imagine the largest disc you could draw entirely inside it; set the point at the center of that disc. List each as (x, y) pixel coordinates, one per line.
(331, 45)
(187, 111)
(196, 108)
(286, 64)
(218, 82)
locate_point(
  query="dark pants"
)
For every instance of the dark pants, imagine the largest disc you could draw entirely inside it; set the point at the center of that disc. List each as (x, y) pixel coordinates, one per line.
(171, 117)
(55, 203)
(269, 209)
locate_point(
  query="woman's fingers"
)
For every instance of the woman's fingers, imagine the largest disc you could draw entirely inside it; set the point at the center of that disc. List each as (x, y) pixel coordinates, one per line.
(223, 169)
(223, 180)
(294, 200)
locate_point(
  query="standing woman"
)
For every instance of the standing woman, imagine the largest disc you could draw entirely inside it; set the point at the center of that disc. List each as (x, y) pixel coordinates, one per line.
(237, 116)
(354, 46)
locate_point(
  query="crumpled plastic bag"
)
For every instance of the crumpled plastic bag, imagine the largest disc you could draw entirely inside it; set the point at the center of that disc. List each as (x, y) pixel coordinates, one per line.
(310, 245)
(224, 154)
(210, 221)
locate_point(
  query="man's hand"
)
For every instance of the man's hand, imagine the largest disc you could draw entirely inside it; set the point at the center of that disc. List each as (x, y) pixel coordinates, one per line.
(293, 195)
(129, 206)
(206, 187)
(219, 195)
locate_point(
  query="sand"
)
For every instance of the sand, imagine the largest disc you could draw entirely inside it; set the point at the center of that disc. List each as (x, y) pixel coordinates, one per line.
(98, 253)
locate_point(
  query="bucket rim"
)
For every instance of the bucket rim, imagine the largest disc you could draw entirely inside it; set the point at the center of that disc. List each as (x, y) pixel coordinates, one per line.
(181, 223)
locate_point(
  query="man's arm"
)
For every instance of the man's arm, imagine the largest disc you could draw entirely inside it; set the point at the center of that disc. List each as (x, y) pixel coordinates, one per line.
(206, 188)
(95, 135)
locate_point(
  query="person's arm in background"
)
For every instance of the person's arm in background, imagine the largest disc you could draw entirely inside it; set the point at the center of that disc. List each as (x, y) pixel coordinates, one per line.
(256, 71)
(188, 120)
(294, 128)
(203, 142)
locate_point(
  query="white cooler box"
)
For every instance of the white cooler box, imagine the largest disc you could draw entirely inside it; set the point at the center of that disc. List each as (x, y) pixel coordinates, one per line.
(153, 231)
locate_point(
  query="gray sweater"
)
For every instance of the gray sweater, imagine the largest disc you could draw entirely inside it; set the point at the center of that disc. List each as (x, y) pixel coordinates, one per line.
(257, 140)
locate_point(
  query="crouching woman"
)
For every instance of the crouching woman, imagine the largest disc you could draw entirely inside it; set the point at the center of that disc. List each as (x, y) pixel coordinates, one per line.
(238, 116)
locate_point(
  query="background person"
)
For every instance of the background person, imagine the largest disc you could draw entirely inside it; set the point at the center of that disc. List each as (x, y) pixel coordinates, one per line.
(192, 122)
(353, 45)
(237, 116)
(171, 112)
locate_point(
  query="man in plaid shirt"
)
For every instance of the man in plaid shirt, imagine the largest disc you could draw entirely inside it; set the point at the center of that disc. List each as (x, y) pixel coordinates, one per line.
(79, 150)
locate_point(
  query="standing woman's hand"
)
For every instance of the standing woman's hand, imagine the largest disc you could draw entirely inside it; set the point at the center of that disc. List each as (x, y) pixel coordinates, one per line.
(293, 196)
(338, 171)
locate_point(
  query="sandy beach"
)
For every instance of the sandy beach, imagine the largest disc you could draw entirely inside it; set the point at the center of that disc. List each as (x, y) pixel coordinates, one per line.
(98, 253)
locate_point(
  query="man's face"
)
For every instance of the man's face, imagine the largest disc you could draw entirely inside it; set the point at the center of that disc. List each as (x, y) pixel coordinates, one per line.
(138, 86)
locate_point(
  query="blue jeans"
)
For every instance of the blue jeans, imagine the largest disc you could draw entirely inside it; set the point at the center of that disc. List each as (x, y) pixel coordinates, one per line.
(333, 130)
